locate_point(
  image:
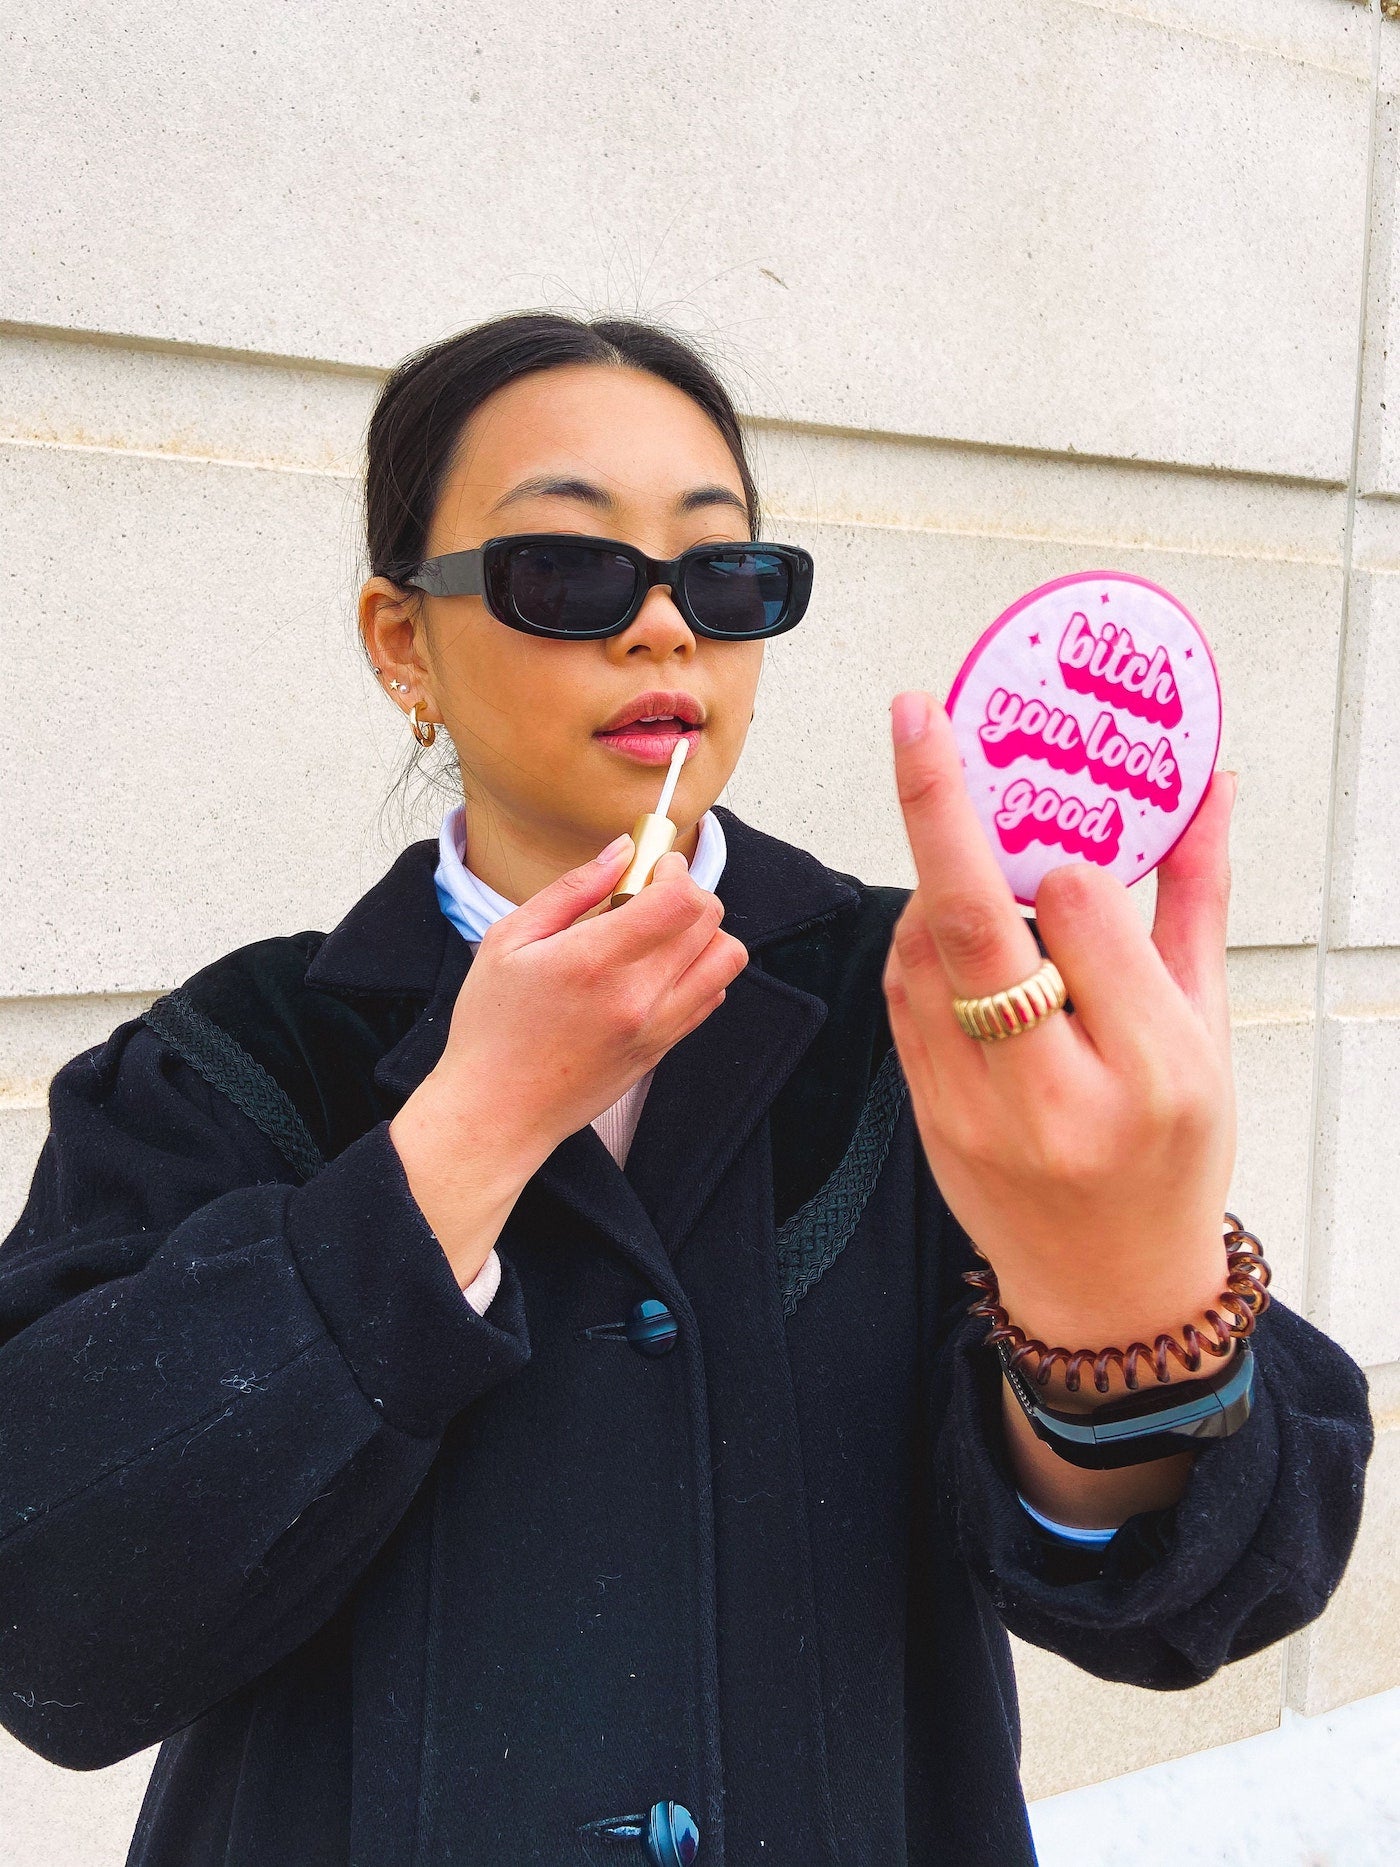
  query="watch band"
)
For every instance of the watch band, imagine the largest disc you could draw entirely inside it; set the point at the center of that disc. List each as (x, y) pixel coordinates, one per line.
(1174, 1417)
(1069, 1532)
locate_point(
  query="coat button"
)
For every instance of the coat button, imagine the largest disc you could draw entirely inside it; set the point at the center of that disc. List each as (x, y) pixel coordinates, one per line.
(673, 1835)
(652, 1330)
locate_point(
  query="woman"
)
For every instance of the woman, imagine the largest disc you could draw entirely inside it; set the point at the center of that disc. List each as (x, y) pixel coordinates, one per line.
(495, 1383)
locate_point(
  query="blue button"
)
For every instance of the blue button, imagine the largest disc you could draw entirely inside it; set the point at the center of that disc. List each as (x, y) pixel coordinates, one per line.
(652, 1330)
(673, 1835)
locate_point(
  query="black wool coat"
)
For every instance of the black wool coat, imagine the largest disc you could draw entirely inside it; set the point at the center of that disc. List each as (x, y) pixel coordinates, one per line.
(396, 1584)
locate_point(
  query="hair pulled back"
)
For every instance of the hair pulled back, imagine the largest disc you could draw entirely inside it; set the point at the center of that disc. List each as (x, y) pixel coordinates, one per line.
(423, 406)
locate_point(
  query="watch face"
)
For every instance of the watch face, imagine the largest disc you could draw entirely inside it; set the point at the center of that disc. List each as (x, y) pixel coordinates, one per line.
(1088, 718)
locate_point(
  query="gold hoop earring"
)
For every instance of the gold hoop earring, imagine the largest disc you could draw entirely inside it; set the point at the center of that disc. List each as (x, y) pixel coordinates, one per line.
(424, 733)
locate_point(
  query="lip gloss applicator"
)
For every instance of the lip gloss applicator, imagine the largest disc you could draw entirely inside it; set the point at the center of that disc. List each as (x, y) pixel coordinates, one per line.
(653, 834)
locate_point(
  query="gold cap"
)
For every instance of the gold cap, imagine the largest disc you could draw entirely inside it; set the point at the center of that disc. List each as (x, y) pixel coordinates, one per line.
(653, 836)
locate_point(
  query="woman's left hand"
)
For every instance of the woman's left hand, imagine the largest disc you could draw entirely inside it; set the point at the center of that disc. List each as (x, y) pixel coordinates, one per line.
(1088, 1157)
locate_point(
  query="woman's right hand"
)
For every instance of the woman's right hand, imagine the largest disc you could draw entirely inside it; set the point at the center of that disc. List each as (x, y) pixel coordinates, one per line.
(560, 1015)
(563, 1010)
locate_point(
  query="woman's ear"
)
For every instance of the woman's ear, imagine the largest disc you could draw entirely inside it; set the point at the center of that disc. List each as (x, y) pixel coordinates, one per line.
(389, 628)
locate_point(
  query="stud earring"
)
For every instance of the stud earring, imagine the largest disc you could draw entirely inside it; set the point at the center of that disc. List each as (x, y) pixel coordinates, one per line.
(399, 687)
(379, 670)
(424, 733)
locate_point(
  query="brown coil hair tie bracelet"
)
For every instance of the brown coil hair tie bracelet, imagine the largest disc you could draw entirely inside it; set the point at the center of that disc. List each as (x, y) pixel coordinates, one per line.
(1245, 1297)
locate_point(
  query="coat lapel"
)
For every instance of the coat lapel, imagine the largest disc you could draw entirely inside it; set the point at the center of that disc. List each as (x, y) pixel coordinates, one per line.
(580, 1174)
(709, 1091)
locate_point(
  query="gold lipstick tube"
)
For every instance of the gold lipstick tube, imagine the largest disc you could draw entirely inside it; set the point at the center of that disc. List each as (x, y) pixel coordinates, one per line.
(653, 836)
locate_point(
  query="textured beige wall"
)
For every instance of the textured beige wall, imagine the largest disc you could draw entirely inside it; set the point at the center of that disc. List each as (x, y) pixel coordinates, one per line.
(1007, 292)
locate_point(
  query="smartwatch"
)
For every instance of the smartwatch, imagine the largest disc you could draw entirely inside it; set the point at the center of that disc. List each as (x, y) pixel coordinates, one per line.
(1175, 1416)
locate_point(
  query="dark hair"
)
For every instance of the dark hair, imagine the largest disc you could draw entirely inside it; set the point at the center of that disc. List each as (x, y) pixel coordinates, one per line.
(423, 406)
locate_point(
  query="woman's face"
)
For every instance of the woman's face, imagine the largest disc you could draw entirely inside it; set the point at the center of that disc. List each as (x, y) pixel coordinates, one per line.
(608, 452)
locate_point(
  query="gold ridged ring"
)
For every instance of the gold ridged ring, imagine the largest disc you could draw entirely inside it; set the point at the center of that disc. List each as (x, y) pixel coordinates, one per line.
(1006, 1014)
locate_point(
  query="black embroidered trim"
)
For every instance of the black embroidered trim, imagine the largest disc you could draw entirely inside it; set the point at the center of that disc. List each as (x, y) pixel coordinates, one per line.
(810, 1242)
(226, 1066)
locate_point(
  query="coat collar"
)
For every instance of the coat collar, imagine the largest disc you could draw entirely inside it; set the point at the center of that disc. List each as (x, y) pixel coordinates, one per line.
(709, 1091)
(394, 940)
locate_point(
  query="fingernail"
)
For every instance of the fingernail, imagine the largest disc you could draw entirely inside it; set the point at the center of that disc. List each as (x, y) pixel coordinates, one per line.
(909, 716)
(1234, 778)
(614, 848)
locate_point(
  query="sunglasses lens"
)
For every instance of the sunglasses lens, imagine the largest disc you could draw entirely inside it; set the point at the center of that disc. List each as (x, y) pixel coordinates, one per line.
(574, 589)
(739, 592)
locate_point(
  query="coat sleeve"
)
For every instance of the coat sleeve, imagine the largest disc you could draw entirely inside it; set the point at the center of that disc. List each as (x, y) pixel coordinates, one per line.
(219, 1393)
(1250, 1553)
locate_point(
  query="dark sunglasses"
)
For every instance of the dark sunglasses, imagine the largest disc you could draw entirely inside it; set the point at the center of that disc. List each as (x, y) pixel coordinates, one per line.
(556, 583)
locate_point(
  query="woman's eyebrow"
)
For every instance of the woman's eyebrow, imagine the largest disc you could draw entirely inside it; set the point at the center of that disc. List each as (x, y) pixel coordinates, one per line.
(710, 496)
(564, 486)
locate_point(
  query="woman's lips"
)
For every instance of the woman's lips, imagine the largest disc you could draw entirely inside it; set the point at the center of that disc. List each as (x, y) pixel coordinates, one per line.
(652, 742)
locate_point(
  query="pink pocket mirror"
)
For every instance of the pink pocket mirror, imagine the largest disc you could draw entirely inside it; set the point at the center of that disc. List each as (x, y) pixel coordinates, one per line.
(1088, 717)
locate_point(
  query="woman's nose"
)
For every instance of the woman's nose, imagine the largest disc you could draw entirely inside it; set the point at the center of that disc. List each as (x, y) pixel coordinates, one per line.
(658, 629)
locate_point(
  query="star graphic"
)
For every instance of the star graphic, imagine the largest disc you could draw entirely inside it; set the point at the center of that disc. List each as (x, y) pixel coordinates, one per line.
(1104, 597)
(1042, 682)
(1141, 856)
(1189, 653)
(1035, 641)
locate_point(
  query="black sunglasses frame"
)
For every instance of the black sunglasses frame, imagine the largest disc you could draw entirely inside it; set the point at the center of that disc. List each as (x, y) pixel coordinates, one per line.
(479, 571)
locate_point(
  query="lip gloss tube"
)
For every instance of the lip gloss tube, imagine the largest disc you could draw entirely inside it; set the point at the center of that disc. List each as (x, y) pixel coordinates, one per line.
(653, 834)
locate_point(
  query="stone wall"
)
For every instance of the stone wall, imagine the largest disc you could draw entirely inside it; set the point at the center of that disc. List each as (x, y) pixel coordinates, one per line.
(1006, 292)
